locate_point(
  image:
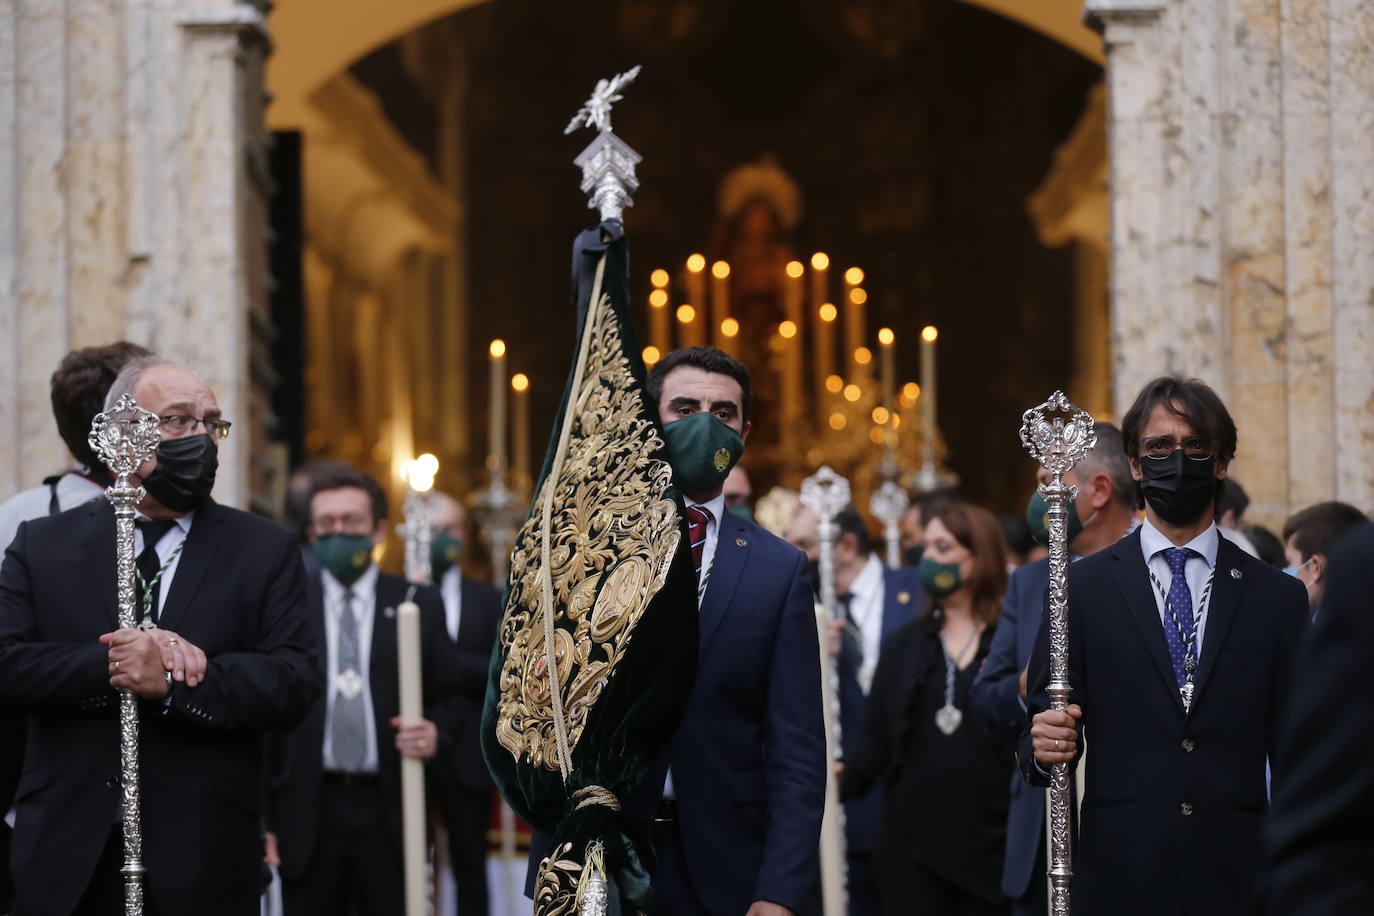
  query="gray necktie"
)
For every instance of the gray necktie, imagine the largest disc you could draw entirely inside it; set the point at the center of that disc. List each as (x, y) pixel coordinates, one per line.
(348, 728)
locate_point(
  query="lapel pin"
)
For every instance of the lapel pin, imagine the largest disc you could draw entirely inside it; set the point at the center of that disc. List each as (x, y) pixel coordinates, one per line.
(389, 612)
(741, 542)
(904, 597)
(1236, 573)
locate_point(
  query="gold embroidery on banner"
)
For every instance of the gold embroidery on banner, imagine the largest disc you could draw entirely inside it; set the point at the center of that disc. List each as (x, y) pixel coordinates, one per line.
(614, 534)
(555, 887)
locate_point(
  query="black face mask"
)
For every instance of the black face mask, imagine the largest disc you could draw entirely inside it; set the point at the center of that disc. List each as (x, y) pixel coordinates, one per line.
(813, 572)
(911, 556)
(1180, 489)
(185, 472)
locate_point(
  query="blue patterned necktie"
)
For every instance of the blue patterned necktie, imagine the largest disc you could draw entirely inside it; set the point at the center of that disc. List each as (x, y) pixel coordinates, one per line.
(1180, 603)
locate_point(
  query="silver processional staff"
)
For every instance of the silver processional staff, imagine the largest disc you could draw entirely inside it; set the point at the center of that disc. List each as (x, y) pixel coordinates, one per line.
(125, 437)
(1058, 435)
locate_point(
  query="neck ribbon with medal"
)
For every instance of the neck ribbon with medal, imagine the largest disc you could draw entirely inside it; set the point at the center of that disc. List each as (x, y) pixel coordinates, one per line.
(949, 716)
(1188, 635)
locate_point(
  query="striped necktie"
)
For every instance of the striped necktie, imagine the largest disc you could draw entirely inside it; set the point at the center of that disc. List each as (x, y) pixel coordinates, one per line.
(697, 519)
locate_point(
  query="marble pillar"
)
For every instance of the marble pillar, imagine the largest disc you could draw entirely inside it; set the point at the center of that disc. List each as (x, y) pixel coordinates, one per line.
(131, 135)
(1241, 137)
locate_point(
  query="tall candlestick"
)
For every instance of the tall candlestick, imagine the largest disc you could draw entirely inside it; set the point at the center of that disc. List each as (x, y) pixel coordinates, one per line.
(789, 331)
(853, 306)
(720, 305)
(696, 286)
(820, 279)
(521, 476)
(659, 330)
(928, 336)
(496, 424)
(824, 354)
(691, 325)
(887, 342)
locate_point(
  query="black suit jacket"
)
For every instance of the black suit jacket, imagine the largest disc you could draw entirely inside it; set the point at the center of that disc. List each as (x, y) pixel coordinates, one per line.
(1321, 829)
(1174, 804)
(295, 759)
(459, 766)
(238, 593)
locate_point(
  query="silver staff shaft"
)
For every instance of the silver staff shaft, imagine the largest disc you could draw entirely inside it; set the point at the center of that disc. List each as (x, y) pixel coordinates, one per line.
(125, 437)
(1058, 435)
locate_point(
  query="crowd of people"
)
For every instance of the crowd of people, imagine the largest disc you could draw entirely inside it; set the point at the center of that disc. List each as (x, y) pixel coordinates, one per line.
(1214, 728)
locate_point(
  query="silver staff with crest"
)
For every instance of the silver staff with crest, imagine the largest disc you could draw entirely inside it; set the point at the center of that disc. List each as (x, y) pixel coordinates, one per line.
(126, 437)
(827, 494)
(888, 505)
(1058, 435)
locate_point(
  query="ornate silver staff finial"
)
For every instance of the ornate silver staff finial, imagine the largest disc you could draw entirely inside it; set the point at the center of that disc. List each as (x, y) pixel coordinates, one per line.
(1058, 435)
(608, 163)
(125, 437)
(888, 505)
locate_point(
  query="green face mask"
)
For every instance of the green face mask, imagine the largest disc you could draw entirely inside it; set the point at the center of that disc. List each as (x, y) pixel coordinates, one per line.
(940, 579)
(346, 556)
(1038, 517)
(743, 512)
(445, 551)
(702, 450)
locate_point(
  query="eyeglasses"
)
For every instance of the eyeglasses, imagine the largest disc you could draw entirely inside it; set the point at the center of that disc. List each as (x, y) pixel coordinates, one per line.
(178, 424)
(1193, 447)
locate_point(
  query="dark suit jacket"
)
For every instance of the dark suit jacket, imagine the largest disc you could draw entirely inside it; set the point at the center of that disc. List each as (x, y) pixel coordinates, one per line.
(295, 759)
(459, 767)
(238, 594)
(1173, 804)
(997, 710)
(903, 598)
(1321, 828)
(748, 759)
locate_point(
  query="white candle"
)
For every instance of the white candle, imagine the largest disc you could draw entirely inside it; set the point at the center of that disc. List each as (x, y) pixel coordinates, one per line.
(496, 428)
(928, 337)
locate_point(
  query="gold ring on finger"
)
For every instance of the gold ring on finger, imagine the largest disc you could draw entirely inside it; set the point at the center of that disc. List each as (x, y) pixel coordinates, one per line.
(1058, 745)
(116, 666)
(172, 641)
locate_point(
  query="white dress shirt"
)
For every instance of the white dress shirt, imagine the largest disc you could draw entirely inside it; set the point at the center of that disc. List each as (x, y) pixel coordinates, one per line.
(708, 550)
(72, 490)
(866, 609)
(1197, 571)
(363, 608)
(165, 548)
(451, 590)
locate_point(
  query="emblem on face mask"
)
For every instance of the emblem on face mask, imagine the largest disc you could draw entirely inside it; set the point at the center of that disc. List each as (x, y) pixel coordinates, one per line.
(722, 459)
(360, 558)
(944, 580)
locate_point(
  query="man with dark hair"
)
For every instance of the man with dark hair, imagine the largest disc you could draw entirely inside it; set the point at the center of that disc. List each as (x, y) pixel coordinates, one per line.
(334, 781)
(79, 386)
(742, 783)
(1181, 658)
(1320, 841)
(1307, 538)
(1102, 513)
(1232, 501)
(224, 655)
(872, 601)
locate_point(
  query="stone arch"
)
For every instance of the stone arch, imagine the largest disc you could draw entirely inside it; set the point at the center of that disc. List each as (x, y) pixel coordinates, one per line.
(316, 39)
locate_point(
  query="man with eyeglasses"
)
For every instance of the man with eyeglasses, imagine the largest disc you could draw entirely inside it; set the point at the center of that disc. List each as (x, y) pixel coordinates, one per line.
(225, 653)
(334, 782)
(1181, 658)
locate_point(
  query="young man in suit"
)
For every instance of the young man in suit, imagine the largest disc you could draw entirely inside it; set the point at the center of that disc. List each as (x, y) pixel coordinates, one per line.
(873, 601)
(1102, 514)
(334, 782)
(743, 789)
(1181, 658)
(472, 612)
(231, 656)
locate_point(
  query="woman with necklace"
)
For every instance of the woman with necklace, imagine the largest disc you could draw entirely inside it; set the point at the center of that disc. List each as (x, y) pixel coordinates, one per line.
(940, 846)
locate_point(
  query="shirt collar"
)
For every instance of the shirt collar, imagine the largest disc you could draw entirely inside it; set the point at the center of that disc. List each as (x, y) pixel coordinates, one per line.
(334, 589)
(715, 506)
(869, 580)
(183, 522)
(1152, 541)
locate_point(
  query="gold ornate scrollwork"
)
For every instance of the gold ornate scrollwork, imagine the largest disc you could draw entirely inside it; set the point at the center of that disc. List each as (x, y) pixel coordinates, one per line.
(613, 537)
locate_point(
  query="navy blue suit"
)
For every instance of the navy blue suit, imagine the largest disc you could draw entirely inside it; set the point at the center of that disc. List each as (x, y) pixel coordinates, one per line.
(998, 711)
(1174, 803)
(903, 598)
(748, 759)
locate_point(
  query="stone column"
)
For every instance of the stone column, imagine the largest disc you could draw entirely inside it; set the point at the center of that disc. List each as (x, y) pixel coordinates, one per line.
(131, 134)
(1241, 141)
